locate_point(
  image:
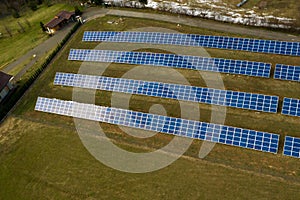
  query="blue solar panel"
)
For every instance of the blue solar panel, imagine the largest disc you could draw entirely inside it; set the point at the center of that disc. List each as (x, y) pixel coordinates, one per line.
(291, 147)
(221, 42)
(291, 107)
(245, 138)
(242, 67)
(287, 72)
(258, 102)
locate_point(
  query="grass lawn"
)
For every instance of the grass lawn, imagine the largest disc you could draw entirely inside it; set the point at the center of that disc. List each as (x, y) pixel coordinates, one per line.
(42, 155)
(20, 43)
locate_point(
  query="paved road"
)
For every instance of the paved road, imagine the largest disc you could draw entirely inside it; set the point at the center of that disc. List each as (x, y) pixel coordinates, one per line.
(92, 13)
(39, 51)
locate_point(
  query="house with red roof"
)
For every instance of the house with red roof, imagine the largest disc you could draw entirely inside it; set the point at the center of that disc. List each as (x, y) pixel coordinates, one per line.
(59, 21)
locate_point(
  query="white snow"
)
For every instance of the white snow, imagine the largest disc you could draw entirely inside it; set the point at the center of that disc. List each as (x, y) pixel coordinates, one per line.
(217, 10)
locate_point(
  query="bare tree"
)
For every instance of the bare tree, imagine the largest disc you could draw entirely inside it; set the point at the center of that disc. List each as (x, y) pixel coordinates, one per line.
(8, 30)
(27, 22)
(22, 28)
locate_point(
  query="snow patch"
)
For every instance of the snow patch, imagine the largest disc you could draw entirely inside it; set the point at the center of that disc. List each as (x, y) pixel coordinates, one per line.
(216, 12)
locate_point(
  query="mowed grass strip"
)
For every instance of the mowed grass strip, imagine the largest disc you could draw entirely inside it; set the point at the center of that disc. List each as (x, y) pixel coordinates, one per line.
(234, 169)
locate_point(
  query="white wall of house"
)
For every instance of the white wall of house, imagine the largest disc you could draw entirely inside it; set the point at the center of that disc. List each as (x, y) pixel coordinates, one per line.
(9, 85)
(5, 91)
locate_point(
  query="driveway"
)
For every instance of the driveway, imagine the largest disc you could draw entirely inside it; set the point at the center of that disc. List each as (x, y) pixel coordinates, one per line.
(39, 51)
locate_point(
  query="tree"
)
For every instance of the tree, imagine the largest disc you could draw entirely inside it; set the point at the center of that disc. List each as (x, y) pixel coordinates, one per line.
(98, 2)
(47, 3)
(77, 11)
(23, 30)
(27, 22)
(32, 5)
(145, 2)
(8, 30)
(43, 27)
(15, 13)
(12, 6)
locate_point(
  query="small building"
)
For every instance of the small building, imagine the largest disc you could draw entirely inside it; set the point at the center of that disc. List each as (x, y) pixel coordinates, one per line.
(5, 84)
(59, 21)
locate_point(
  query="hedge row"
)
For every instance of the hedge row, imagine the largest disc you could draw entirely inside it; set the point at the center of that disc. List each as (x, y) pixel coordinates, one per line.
(21, 89)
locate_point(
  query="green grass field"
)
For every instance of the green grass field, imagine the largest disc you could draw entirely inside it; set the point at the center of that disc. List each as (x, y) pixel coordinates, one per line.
(42, 155)
(32, 36)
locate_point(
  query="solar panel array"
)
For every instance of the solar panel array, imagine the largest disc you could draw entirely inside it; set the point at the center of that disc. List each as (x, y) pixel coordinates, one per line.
(287, 72)
(291, 147)
(221, 42)
(245, 138)
(291, 107)
(258, 102)
(242, 67)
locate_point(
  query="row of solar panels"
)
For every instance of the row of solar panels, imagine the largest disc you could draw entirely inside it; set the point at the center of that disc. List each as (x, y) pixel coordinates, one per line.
(251, 139)
(250, 101)
(245, 138)
(242, 67)
(221, 42)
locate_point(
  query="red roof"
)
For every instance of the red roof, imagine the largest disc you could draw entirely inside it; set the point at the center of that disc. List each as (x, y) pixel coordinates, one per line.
(61, 16)
(4, 79)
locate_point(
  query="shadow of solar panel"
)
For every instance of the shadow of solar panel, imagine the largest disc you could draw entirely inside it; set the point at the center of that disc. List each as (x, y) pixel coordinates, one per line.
(291, 107)
(221, 42)
(242, 67)
(250, 101)
(291, 147)
(287, 72)
(250, 139)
